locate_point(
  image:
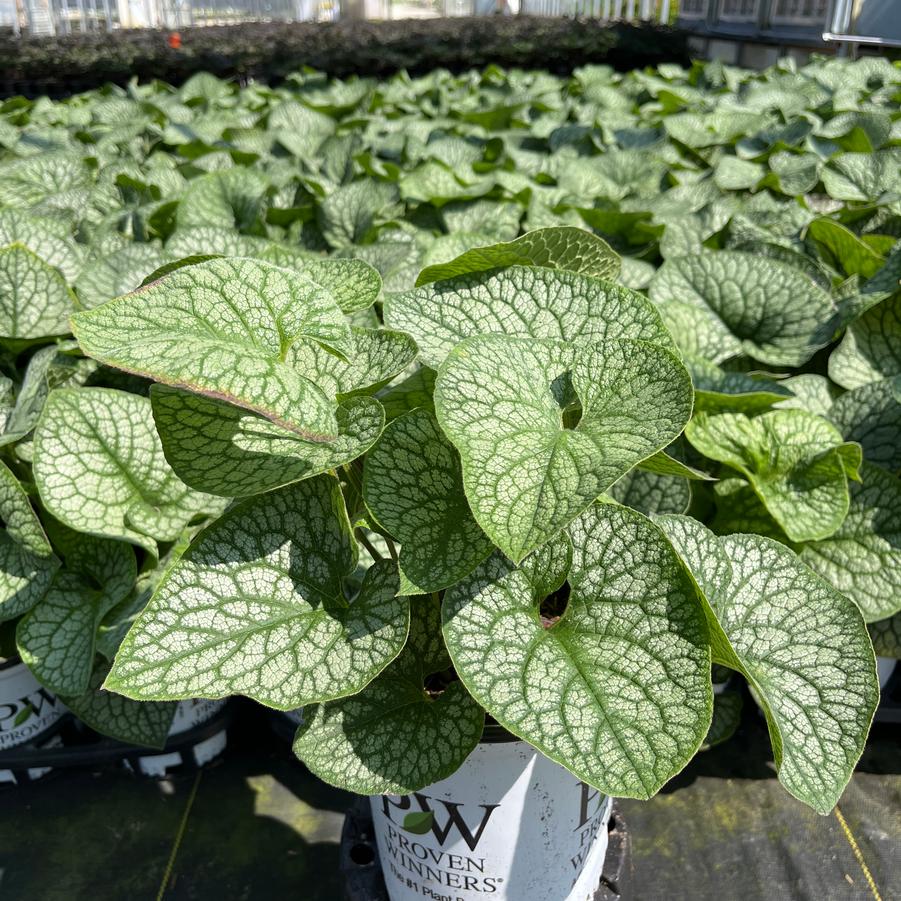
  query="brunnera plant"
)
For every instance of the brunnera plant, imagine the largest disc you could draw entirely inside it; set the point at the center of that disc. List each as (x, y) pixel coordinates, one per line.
(523, 492)
(759, 210)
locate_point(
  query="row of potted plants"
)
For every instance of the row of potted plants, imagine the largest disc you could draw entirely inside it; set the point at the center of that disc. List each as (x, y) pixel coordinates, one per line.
(495, 511)
(509, 547)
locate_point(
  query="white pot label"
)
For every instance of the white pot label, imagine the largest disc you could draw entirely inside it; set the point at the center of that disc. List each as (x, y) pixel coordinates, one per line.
(27, 709)
(509, 823)
(188, 715)
(192, 713)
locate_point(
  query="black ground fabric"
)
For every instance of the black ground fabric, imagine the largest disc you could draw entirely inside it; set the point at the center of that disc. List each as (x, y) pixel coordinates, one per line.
(256, 825)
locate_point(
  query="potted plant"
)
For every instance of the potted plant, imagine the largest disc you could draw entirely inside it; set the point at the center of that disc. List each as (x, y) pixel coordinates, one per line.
(567, 517)
(80, 552)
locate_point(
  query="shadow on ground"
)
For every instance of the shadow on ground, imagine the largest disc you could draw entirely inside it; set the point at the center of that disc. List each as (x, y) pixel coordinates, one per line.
(257, 826)
(254, 825)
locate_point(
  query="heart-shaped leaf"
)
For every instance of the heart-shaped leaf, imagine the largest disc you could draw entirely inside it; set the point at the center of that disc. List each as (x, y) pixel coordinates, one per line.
(394, 736)
(224, 450)
(871, 348)
(525, 301)
(871, 415)
(843, 250)
(618, 690)
(35, 301)
(773, 312)
(863, 558)
(795, 461)
(117, 273)
(224, 328)
(43, 237)
(256, 606)
(413, 485)
(27, 561)
(802, 646)
(230, 199)
(573, 249)
(100, 469)
(862, 176)
(350, 211)
(57, 637)
(529, 474)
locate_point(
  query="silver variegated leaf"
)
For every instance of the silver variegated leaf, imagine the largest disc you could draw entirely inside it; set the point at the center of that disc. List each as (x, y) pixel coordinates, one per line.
(224, 450)
(802, 646)
(100, 469)
(413, 485)
(544, 428)
(524, 301)
(573, 249)
(225, 328)
(257, 606)
(618, 689)
(394, 736)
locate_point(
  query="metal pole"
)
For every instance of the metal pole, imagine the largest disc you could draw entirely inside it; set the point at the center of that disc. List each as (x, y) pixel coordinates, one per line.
(841, 24)
(630, 9)
(664, 12)
(81, 16)
(107, 15)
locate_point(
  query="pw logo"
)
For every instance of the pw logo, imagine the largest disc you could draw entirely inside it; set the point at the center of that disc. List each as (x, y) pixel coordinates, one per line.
(428, 819)
(15, 713)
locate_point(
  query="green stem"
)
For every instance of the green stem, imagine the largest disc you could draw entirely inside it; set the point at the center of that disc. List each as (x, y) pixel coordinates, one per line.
(353, 478)
(361, 537)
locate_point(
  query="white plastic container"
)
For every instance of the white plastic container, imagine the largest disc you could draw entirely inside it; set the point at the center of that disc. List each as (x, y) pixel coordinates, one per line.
(885, 666)
(509, 824)
(188, 715)
(27, 712)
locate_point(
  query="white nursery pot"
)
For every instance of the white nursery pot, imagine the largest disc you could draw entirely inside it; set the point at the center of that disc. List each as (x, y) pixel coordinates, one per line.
(27, 711)
(509, 823)
(188, 715)
(885, 666)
